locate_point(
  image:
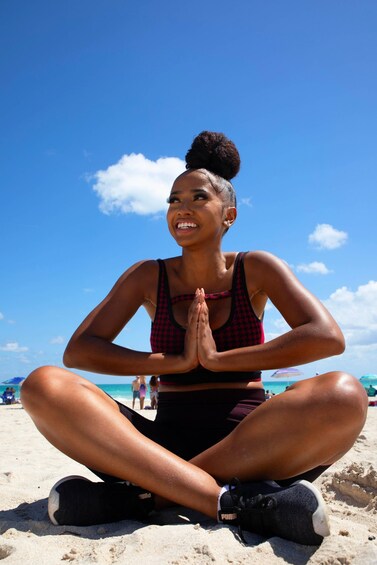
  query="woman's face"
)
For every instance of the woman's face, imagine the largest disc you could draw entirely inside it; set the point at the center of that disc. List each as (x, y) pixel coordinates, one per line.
(196, 212)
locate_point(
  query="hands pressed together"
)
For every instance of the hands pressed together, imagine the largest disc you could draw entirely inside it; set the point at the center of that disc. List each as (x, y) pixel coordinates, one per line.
(200, 347)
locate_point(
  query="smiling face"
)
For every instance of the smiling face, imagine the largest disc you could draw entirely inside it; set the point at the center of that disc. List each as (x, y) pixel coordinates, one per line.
(196, 212)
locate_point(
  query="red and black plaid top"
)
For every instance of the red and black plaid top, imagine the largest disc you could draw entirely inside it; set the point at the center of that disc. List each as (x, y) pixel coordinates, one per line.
(243, 328)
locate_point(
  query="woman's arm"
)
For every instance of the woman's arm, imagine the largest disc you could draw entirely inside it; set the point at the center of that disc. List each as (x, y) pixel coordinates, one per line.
(314, 334)
(91, 347)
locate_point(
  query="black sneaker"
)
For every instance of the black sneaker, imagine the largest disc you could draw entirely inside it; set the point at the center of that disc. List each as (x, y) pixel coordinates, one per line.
(296, 513)
(76, 501)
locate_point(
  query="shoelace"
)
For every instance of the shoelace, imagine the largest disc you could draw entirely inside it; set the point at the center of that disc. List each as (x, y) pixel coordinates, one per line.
(240, 503)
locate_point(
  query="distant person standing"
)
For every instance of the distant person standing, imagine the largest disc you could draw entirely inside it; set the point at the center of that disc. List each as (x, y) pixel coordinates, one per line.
(135, 391)
(142, 390)
(153, 391)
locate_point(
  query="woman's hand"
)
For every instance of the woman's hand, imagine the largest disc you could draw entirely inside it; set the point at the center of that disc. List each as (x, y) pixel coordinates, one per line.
(190, 352)
(206, 344)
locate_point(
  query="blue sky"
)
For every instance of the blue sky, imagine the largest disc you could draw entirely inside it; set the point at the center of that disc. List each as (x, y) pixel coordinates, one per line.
(100, 101)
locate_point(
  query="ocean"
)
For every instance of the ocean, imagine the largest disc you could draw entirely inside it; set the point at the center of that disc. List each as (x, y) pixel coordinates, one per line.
(123, 391)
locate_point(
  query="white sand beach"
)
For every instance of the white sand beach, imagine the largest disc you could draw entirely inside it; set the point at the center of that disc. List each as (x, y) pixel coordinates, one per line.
(30, 466)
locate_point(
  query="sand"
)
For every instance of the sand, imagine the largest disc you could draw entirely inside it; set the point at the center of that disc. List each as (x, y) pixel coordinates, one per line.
(30, 465)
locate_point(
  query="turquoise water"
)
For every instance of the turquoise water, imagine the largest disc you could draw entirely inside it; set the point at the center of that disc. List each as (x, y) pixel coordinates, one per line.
(123, 392)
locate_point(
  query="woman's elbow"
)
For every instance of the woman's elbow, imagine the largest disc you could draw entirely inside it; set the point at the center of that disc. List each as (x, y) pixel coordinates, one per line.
(67, 359)
(71, 356)
(336, 342)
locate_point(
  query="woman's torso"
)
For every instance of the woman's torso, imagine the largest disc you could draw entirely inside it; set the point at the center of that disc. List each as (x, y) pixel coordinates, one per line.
(233, 321)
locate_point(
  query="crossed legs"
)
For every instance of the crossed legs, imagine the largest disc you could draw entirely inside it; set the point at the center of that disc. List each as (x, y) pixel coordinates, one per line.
(314, 423)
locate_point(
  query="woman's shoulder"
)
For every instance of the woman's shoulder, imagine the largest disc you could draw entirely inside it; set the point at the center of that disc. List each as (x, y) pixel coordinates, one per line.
(262, 258)
(138, 277)
(141, 278)
(142, 268)
(261, 266)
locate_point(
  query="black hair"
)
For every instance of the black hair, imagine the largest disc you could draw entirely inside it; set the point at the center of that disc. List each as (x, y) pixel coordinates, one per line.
(218, 155)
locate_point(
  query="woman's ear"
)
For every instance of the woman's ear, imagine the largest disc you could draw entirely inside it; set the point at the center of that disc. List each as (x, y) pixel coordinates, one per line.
(230, 216)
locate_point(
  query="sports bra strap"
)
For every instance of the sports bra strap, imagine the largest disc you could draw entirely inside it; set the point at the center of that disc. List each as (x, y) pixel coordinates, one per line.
(209, 296)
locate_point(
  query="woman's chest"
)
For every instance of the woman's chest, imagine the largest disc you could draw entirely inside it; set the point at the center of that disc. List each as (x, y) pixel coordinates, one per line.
(218, 311)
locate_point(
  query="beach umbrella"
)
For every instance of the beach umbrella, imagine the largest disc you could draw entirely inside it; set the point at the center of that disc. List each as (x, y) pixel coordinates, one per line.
(14, 381)
(287, 373)
(368, 379)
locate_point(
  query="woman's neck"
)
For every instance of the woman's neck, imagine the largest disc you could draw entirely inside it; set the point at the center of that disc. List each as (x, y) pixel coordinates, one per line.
(206, 267)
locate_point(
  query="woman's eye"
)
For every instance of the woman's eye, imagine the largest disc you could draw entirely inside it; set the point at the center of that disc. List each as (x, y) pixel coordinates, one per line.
(175, 199)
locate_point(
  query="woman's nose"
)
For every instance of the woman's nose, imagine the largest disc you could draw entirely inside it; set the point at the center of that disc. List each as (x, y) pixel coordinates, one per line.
(184, 207)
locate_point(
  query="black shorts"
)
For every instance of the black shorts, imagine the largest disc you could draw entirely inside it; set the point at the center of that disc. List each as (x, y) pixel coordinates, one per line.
(188, 423)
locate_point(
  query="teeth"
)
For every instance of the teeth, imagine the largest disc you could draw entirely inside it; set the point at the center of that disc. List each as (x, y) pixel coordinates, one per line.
(186, 225)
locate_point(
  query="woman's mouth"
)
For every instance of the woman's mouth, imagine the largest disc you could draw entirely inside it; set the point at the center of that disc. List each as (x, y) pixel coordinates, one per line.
(186, 225)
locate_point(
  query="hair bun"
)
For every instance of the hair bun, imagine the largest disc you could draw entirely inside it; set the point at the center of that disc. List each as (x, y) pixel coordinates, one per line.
(214, 152)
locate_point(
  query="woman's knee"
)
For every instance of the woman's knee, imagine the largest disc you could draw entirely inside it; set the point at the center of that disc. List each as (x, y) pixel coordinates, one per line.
(41, 385)
(346, 390)
(342, 396)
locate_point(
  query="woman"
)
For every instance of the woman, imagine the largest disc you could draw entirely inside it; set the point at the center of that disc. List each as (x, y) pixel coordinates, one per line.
(153, 391)
(212, 422)
(142, 390)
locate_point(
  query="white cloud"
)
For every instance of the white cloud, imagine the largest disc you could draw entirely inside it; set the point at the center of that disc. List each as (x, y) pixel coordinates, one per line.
(13, 347)
(326, 236)
(356, 313)
(315, 267)
(57, 340)
(137, 185)
(246, 202)
(1, 316)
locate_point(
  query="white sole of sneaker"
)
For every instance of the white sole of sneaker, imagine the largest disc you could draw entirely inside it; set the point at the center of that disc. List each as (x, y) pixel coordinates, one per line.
(320, 517)
(53, 498)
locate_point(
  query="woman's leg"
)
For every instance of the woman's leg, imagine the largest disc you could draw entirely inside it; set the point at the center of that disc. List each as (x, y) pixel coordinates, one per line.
(83, 422)
(313, 423)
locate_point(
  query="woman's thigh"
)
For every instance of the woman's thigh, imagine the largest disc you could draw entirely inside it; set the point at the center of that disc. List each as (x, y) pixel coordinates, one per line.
(189, 423)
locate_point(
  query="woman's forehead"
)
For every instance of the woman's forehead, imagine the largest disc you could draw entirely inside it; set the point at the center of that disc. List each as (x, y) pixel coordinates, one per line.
(192, 180)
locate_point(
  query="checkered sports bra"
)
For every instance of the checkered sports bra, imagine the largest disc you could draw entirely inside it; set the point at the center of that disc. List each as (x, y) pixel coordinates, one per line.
(243, 328)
